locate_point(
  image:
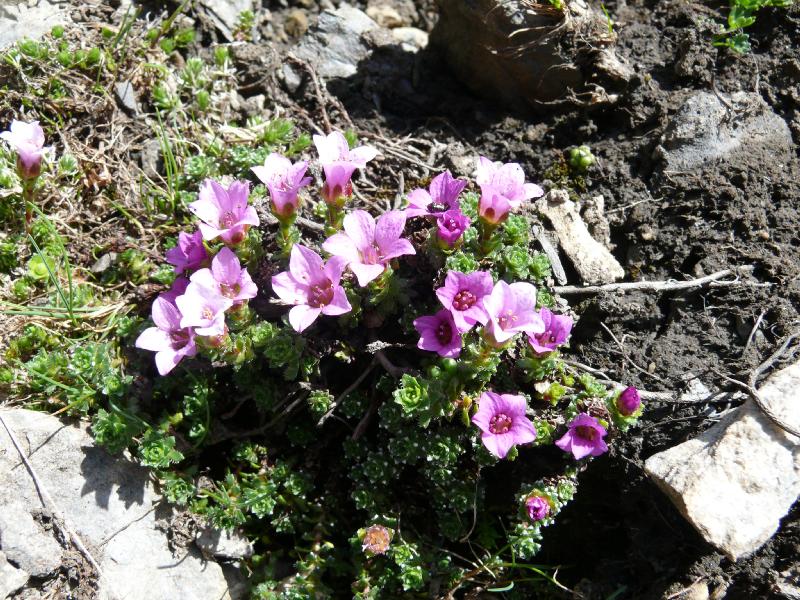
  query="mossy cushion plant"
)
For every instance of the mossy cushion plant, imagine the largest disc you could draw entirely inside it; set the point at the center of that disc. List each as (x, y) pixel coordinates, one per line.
(393, 363)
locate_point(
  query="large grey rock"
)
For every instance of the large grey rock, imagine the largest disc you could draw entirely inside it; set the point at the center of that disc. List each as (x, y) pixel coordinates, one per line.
(710, 128)
(11, 578)
(25, 544)
(29, 19)
(335, 46)
(735, 481)
(110, 503)
(528, 54)
(591, 259)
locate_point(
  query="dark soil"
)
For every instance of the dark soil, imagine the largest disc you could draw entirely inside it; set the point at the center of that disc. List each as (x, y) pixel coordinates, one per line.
(621, 536)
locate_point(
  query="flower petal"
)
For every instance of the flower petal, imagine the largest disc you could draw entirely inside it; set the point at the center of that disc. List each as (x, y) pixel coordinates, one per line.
(366, 273)
(334, 268)
(389, 228)
(301, 317)
(166, 315)
(305, 265)
(153, 339)
(340, 244)
(226, 267)
(339, 304)
(397, 248)
(499, 444)
(360, 226)
(289, 289)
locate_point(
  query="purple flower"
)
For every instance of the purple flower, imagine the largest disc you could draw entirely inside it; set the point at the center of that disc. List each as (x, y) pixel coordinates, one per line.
(367, 246)
(224, 213)
(462, 294)
(538, 508)
(451, 226)
(443, 196)
(168, 339)
(178, 289)
(628, 402)
(284, 181)
(438, 333)
(501, 418)
(339, 162)
(28, 140)
(227, 278)
(203, 308)
(189, 254)
(584, 437)
(503, 189)
(312, 287)
(556, 331)
(511, 309)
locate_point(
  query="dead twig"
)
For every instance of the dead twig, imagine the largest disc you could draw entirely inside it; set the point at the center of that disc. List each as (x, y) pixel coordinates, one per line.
(345, 393)
(671, 285)
(48, 502)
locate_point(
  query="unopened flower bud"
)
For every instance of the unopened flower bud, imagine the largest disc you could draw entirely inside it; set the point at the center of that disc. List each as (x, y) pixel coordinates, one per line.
(538, 508)
(628, 402)
(376, 540)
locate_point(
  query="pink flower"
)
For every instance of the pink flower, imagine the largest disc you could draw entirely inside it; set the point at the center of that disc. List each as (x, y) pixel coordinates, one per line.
(443, 196)
(503, 189)
(203, 308)
(224, 213)
(189, 254)
(438, 333)
(556, 331)
(28, 140)
(339, 163)
(227, 277)
(451, 226)
(367, 245)
(312, 287)
(629, 401)
(512, 309)
(284, 181)
(462, 294)
(178, 289)
(538, 508)
(168, 339)
(501, 418)
(584, 437)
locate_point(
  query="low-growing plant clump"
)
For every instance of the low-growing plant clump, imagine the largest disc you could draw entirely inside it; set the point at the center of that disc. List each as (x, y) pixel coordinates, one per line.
(377, 398)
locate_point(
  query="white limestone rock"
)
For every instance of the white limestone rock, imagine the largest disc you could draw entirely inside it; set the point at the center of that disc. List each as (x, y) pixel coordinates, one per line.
(735, 481)
(111, 504)
(11, 578)
(592, 260)
(24, 19)
(25, 544)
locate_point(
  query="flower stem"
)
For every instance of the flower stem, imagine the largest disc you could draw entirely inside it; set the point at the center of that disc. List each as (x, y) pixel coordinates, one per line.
(485, 241)
(335, 218)
(28, 196)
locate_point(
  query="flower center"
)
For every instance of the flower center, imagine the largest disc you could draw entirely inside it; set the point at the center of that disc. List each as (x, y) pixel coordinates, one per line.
(371, 255)
(500, 423)
(320, 295)
(179, 338)
(444, 332)
(507, 319)
(228, 220)
(437, 207)
(451, 224)
(586, 432)
(207, 313)
(464, 300)
(229, 291)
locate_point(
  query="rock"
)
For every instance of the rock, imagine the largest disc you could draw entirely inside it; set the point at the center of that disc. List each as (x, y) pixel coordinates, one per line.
(707, 129)
(385, 15)
(104, 263)
(225, 14)
(735, 481)
(593, 213)
(296, 23)
(593, 261)
(335, 46)
(127, 96)
(110, 503)
(787, 585)
(25, 544)
(223, 544)
(11, 578)
(522, 53)
(24, 19)
(697, 591)
(411, 38)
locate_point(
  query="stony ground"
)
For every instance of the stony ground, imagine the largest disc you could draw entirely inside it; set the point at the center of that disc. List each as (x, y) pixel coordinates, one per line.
(675, 207)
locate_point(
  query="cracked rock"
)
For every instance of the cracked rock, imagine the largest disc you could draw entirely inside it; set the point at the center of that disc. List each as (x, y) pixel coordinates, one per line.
(11, 578)
(25, 544)
(111, 505)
